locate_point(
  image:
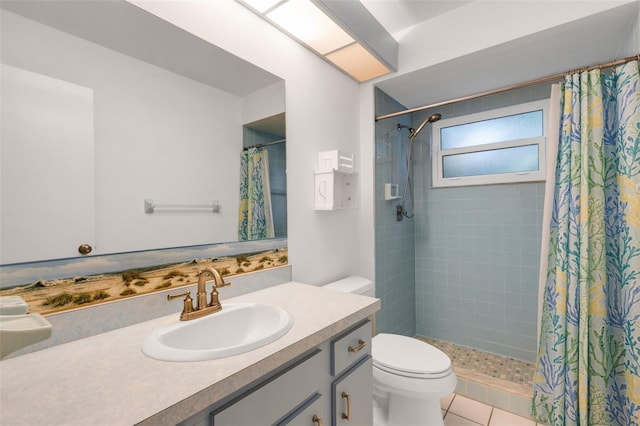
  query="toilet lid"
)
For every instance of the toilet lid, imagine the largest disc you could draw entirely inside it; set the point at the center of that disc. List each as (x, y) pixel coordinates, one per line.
(408, 356)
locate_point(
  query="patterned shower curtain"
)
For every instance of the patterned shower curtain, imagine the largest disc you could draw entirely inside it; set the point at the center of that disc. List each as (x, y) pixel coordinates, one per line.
(254, 216)
(588, 367)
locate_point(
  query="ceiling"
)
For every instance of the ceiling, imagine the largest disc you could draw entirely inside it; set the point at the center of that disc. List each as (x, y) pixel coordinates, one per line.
(127, 29)
(397, 16)
(574, 45)
(538, 55)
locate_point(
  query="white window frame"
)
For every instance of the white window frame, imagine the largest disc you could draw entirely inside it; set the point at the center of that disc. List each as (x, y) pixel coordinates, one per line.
(437, 154)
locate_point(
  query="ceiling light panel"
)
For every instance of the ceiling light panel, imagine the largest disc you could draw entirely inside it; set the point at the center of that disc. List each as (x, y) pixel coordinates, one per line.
(261, 5)
(343, 32)
(306, 22)
(356, 61)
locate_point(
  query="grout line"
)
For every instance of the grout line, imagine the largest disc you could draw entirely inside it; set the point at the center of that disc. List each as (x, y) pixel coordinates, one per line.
(451, 402)
(490, 416)
(466, 418)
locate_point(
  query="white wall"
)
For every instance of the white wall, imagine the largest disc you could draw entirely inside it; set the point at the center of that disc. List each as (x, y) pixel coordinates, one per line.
(327, 110)
(322, 114)
(263, 103)
(158, 135)
(482, 24)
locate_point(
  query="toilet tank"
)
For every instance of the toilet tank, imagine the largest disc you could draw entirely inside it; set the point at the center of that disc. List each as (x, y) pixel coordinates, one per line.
(353, 284)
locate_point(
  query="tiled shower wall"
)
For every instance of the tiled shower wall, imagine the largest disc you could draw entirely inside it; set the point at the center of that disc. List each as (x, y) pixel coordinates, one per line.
(395, 250)
(477, 251)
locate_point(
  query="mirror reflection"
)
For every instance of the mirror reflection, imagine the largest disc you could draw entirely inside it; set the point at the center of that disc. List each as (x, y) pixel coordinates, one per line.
(263, 181)
(105, 106)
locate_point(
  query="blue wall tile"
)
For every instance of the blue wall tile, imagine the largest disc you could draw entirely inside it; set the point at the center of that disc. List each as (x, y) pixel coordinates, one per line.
(493, 233)
(395, 249)
(465, 269)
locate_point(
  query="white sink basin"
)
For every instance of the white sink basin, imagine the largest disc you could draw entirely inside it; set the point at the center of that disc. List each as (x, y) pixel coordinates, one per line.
(237, 328)
(13, 305)
(18, 331)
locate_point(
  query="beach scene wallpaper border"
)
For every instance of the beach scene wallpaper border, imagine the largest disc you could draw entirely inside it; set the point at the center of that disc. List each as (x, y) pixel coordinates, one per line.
(61, 285)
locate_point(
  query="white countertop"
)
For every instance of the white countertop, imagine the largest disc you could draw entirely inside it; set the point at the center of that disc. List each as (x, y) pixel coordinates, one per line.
(107, 380)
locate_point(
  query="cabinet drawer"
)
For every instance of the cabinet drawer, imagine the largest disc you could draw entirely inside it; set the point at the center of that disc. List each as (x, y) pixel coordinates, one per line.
(268, 403)
(350, 347)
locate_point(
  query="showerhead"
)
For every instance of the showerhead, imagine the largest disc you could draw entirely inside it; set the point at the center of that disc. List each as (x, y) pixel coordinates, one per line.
(431, 119)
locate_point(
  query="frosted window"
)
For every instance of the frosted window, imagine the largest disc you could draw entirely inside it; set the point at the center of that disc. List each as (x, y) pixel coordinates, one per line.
(494, 146)
(491, 162)
(513, 127)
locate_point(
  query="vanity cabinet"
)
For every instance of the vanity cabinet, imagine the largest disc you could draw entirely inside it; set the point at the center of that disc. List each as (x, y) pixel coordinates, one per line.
(307, 414)
(352, 371)
(351, 395)
(330, 385)
(288, 398)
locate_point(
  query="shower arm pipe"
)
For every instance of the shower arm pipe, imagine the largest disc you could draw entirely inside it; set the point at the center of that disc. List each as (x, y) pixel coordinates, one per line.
(529, 83)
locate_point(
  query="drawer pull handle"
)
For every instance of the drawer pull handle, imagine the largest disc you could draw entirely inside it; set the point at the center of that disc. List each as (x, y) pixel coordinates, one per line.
(361, 345)
(347, 416)
(317, 420)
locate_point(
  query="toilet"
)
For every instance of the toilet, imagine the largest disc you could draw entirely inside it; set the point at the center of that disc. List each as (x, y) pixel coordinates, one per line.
(409, 376)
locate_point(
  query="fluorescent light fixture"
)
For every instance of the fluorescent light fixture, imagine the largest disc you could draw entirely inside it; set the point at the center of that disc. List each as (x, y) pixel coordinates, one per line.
(303, 20)
(344, 33)
(356, 61)
(261, 5)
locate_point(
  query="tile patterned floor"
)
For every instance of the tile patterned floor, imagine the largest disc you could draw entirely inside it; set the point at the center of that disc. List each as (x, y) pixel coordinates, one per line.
(458, 410)
(496, 366)
(498, 387)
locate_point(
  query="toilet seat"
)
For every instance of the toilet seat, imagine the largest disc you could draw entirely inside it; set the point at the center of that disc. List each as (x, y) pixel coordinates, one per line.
(409, 357)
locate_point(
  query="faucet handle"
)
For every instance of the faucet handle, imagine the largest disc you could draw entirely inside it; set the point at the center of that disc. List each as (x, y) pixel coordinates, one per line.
(215, 298)
(188, 302)
(186, 294)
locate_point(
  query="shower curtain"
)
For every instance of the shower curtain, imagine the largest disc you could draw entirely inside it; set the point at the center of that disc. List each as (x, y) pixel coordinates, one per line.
(588, 367)
(255, 217)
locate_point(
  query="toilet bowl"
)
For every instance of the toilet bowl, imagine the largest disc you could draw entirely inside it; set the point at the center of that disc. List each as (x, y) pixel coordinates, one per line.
(409, 376)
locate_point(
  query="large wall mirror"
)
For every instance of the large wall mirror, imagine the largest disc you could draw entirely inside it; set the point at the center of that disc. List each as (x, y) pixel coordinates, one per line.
(106, 108)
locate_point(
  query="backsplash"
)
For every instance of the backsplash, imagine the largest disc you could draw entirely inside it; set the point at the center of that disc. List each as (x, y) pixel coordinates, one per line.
(59, 285)
(98, 316)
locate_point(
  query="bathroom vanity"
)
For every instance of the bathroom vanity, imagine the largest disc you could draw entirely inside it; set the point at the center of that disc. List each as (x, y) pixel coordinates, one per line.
(331, 384)
(106, 379)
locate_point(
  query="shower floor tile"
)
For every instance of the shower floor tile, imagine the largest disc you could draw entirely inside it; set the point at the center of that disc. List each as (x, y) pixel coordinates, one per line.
(498, 372)
(500, 382)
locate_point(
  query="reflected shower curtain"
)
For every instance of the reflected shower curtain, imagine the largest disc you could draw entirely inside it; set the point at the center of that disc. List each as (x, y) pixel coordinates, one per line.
(255, 216)
(588, 368)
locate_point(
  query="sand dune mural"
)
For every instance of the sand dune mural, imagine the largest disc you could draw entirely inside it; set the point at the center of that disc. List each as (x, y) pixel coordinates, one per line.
(48, 295)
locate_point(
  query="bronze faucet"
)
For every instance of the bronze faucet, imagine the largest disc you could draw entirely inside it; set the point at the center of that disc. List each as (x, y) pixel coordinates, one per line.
(202, 308)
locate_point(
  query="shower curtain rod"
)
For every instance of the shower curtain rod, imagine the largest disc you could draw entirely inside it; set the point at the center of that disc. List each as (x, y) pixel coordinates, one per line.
(260, 145)
(512, 87)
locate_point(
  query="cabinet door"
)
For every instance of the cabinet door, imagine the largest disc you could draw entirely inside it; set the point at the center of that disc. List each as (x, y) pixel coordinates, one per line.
(352, 396)
(271, 401)
(308, 414)
(47, 194)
